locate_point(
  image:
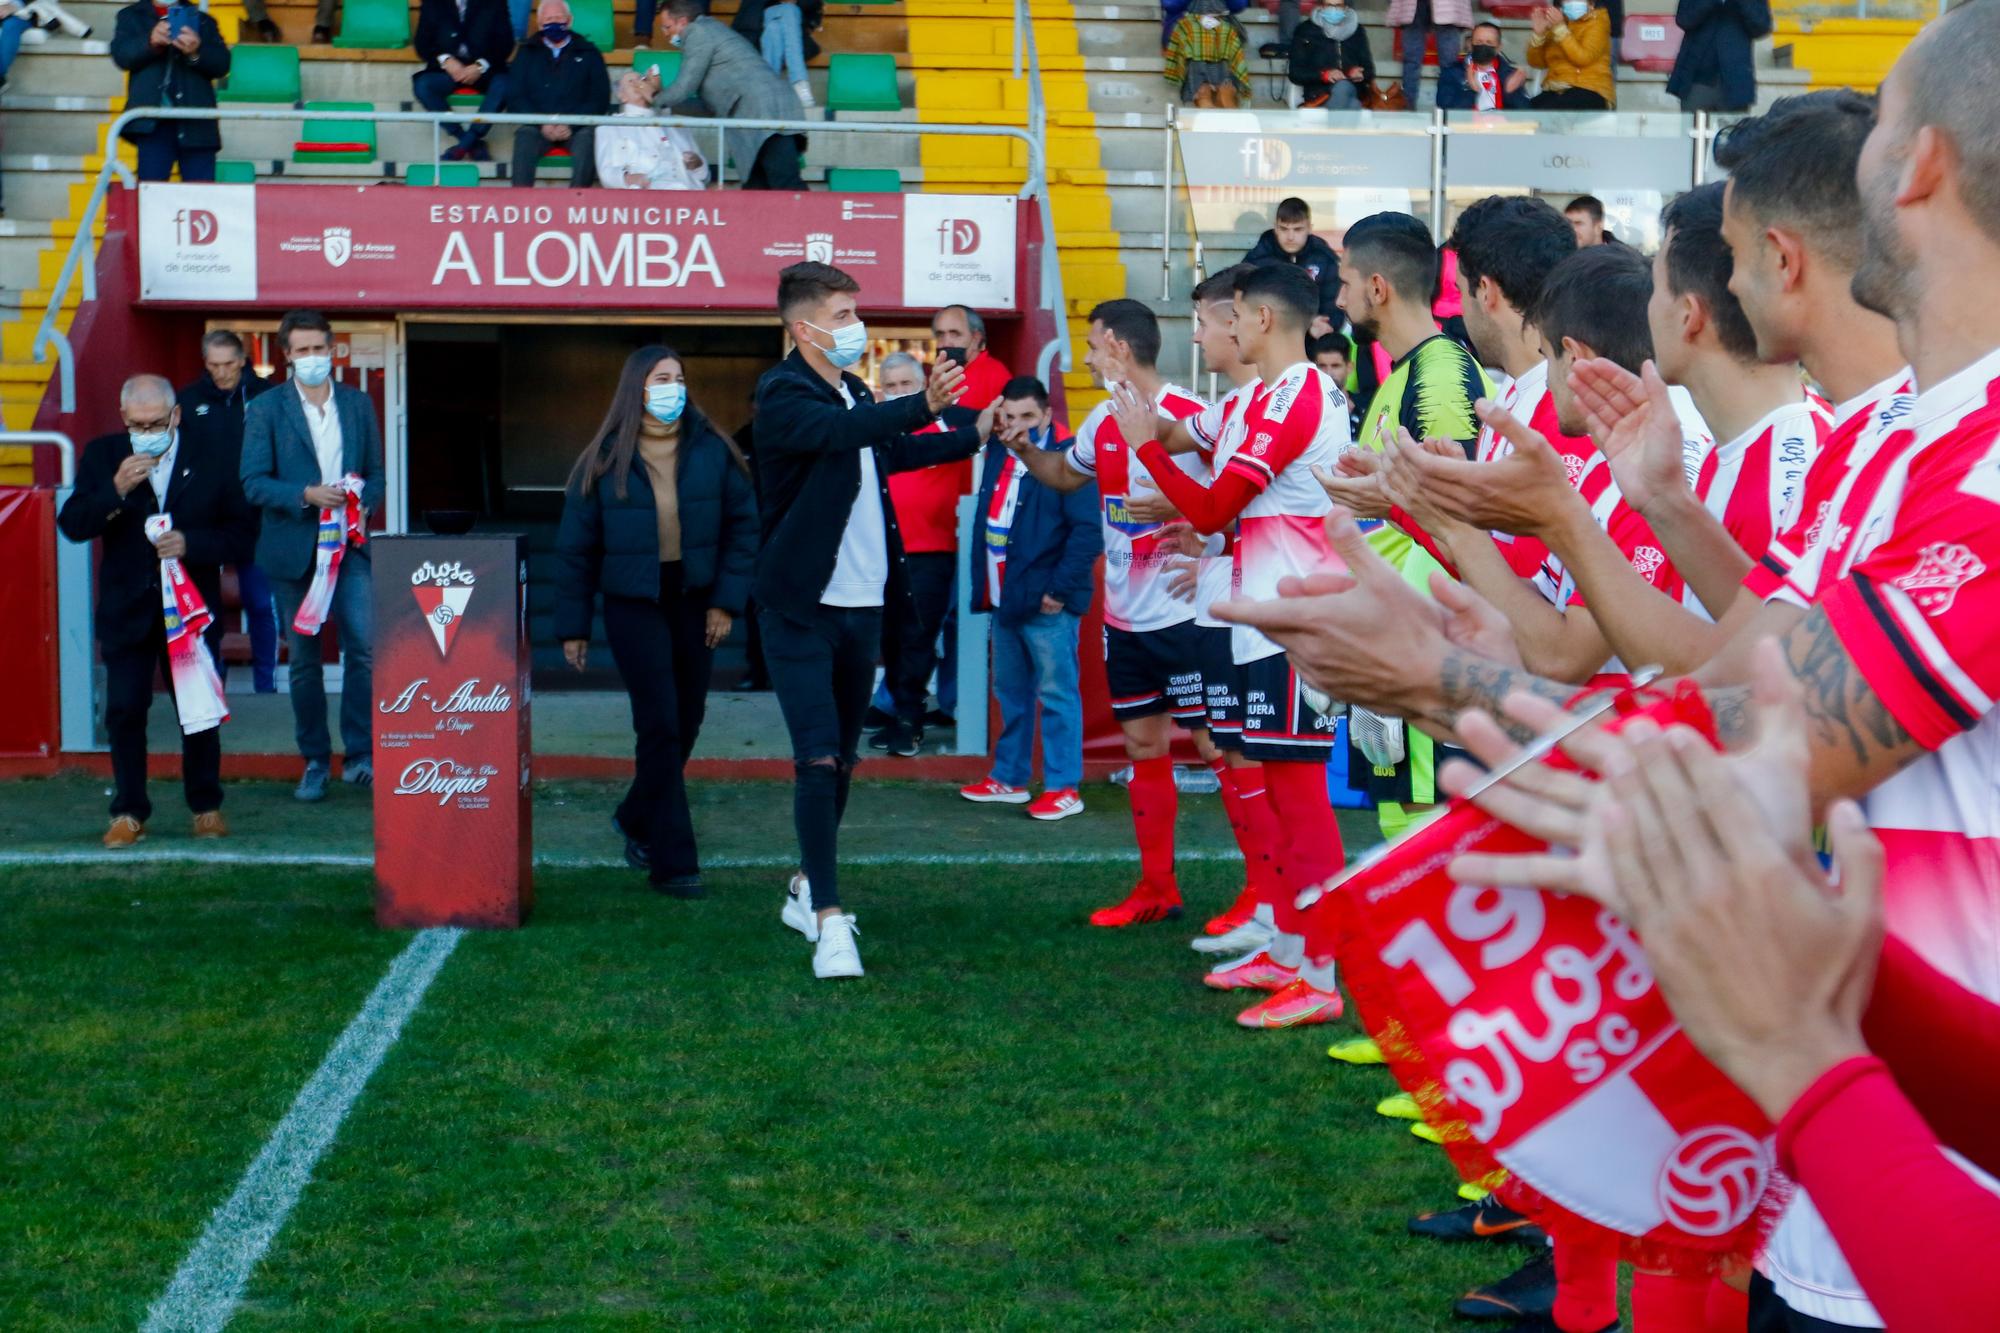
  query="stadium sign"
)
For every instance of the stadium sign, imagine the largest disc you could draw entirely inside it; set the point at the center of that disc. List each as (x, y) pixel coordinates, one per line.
(347, 247)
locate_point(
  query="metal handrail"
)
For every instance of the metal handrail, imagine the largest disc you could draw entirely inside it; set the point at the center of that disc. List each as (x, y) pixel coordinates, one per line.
(61, 443)
(1058, 348)
(1036, 184)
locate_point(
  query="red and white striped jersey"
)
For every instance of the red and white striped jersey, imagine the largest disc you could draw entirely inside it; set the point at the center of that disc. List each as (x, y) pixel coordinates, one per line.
(1860, 424)
(1135, 557)
(1907, 570)
(1527, 399)
(1755, 483)
(1220, 421)
(1298, 422)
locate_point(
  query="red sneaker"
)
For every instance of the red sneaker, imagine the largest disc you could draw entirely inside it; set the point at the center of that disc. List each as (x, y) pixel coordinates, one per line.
(1143, 904)
(1257, 972)
(1058, 804)
(1295, 1006)
(990, 790)
(1239, 912)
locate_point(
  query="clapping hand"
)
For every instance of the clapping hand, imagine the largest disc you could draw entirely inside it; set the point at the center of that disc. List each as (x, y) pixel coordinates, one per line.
(947, 382)
(1633, 421)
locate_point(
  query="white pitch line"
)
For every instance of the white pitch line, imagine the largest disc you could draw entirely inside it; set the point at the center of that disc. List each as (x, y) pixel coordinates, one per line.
(555, 861)
(205, 1291)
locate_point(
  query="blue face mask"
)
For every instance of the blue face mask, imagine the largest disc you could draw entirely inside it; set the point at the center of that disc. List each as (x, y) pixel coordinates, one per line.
(674, 40)
(1575, 9)
(151, 443)
(555, 34)
(312, 371)
(666, 401)
(849, 342)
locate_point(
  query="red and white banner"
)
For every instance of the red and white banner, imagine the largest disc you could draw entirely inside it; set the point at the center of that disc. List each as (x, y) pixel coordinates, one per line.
(389, 246)
(1528, 1027)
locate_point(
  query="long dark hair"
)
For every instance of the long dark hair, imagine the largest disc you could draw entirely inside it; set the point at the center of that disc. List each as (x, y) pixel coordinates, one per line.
(617, 437)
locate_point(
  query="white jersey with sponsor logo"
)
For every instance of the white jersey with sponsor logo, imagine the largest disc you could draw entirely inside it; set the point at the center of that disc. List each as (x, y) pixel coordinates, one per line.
(1755, 483)
(1135, 556)
(1219, 421)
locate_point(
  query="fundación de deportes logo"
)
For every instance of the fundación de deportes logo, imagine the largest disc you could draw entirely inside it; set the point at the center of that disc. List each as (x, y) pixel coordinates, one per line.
(1266, 159)
(195, 226)
(958, 236)
(442, 591)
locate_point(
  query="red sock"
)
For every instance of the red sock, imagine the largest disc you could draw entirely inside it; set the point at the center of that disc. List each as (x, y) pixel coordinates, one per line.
(1663, 1303)
(1586, 1285)
(1728, 1309)
(1155, 805)
(1300, 808)
(1256, 828)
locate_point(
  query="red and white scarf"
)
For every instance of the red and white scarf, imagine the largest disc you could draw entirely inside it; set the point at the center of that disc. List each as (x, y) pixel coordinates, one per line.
(337, 527)
(197, 685)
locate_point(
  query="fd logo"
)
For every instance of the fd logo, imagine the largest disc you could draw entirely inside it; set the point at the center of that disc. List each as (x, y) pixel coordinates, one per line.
(442, 592)
(195, 226)
(1266, 159)
(1941, 570)
(337, 243)
(1713, 1180)
(1647, 560)
(819, 247)
(958, 236)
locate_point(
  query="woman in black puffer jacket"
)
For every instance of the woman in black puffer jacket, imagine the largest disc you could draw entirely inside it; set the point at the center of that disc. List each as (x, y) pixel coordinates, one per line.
(660, 517)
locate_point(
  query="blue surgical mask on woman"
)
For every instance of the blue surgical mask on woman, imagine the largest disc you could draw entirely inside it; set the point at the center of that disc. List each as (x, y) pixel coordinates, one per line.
(666, 401)
(1575, 9)
(312, 371)
(849, 342)
(151, 443)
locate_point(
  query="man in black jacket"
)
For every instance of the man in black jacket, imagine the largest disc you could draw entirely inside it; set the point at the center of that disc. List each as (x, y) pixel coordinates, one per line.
(1292, 241)
(124, 479)
(212, 419)
(831, 559)
(463, 44)
(557, 72)
(171, 59)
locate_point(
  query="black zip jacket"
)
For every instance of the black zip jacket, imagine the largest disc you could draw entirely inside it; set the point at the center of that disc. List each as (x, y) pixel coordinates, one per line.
(809, 447)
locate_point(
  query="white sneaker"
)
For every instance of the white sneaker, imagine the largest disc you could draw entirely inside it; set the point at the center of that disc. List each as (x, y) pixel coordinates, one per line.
(836, 954)
(1247, 938)
(798, 913)
(805, 92)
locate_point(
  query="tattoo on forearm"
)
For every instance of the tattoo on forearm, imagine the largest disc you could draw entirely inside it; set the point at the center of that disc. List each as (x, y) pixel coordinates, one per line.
(1735, 723)
(1841, 707)
(1470, 681)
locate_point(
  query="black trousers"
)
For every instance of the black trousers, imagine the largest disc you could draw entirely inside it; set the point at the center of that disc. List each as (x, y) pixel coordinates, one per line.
(823, 669)
(529, 145)
(1770, 1314)
(128, 697)
(777, 168)
(663, 657)
(910, 632)
(1569, 99)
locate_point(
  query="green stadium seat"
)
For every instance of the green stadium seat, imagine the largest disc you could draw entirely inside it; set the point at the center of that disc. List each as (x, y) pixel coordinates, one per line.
(236, 173)
(669, 63)
(374, 25)
(593, 19)
(465, 101)
(856, 82)
(336, 140)
(864, 180)
(452, 175)
(262, 74)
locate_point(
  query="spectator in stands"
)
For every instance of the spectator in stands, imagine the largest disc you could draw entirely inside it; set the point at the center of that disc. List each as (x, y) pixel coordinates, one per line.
(464, 44)
(1573, 44)
(212, 421)
(660, 517)
(926, 505)
(150, 468)
(1171, 11)
(1033, 556)
(301, 442)
(1586, 219)
(959, 328)
(1331, 60)
(646, 157)
(1205, 63)
(1333, 354)
(779, 31)
(14, 25)
(732, 80)
(1716, 69)
(1417, 19)
(1291, 241)
(1486, 81)
(559, 73)
(171, 58)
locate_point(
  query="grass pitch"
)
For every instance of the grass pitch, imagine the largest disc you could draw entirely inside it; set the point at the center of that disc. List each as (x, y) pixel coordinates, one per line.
(640, 1113)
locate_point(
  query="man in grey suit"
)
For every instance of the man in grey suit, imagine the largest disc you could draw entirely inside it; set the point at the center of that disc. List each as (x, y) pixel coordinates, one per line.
(722, 69)
(299, 440)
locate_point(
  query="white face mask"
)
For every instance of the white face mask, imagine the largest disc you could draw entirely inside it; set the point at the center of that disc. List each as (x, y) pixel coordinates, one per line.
(1210, 21)
(312, 371)
(849, 342)
(151, 443)
(666, 402)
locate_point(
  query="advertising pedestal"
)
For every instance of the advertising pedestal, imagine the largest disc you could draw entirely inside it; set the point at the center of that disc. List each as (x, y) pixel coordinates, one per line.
(452, 823)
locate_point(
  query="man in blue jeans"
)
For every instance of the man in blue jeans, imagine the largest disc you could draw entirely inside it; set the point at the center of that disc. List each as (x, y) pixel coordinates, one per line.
(1033, 553)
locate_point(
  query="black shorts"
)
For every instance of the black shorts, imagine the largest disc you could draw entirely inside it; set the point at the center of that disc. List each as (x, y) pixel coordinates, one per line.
(1154, 671)
(1221, 687)
(1278, 723)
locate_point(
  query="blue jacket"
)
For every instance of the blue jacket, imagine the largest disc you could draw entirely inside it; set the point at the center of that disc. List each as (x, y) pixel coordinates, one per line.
(1717, 46)
(611, 544)
(1052, 548)
(279, 462)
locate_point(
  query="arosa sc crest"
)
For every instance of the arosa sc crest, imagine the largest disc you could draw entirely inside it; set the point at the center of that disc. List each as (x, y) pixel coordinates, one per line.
(442, 590)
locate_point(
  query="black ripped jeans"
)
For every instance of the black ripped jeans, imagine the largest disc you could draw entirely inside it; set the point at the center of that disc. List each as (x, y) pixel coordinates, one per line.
(823, 670)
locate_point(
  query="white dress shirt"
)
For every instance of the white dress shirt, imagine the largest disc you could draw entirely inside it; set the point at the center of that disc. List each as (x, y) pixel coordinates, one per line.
(162, 475)
(324, 424)
(650, 151)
